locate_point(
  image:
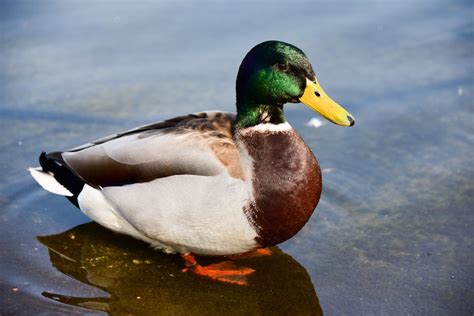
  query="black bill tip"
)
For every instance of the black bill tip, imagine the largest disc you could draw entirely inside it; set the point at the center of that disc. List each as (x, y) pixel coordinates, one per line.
(351, 120)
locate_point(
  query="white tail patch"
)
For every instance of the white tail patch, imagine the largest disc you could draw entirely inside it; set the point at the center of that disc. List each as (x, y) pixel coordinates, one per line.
(48, 182)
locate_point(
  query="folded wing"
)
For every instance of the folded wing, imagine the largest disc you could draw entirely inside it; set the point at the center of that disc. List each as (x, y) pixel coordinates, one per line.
(196, 144)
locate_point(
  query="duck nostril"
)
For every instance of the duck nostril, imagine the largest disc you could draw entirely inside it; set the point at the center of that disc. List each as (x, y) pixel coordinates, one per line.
(317, 93)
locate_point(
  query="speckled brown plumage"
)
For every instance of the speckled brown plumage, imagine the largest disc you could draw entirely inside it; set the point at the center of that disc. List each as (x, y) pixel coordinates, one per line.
(287, 184)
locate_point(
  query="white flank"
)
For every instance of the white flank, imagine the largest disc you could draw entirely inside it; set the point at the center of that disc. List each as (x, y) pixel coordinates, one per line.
(268, 127)
(94, 204)
(48, 182)
(186, 213)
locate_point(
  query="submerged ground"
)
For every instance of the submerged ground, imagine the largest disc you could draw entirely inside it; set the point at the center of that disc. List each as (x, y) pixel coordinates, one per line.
(393, 231)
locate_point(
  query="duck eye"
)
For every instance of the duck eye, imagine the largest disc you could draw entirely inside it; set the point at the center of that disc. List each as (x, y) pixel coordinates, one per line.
(282, 67)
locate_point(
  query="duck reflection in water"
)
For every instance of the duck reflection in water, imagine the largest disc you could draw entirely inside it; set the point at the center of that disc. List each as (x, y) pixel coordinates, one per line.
(143, 281)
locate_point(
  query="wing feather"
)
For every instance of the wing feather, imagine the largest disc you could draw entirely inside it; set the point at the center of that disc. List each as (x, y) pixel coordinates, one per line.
(196, 144)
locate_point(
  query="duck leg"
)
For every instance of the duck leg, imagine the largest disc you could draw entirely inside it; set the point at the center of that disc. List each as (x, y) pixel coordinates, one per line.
(260, 252)
(225, 271)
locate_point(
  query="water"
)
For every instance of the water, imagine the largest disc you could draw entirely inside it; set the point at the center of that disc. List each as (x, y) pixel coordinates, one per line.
(393, 231)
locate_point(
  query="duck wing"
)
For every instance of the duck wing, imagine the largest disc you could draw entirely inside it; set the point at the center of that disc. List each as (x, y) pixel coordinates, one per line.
(195, 144)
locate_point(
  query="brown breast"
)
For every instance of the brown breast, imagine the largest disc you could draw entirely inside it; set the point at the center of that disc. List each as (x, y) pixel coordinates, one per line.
(287, 184)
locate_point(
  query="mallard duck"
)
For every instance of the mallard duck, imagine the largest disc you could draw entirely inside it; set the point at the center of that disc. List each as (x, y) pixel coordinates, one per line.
(209, 183)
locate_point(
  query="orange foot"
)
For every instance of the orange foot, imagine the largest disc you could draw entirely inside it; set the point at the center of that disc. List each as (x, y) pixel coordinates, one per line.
(260, 252)
(225, 271)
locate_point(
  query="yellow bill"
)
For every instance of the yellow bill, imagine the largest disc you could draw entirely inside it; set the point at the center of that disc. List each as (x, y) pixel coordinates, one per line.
(315, 98)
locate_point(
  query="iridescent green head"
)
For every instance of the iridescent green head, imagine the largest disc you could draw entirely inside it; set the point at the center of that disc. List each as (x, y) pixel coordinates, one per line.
(274, 73)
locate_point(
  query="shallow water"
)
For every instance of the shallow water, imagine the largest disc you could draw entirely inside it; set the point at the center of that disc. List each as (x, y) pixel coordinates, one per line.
(392, 233)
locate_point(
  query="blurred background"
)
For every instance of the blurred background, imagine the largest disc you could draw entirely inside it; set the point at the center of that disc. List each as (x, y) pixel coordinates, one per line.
(392, 233)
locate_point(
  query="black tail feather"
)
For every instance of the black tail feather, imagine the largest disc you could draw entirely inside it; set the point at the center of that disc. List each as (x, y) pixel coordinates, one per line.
(53, 163)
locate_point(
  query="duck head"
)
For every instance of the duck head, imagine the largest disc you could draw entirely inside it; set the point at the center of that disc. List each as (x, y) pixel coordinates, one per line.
(274, 73)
